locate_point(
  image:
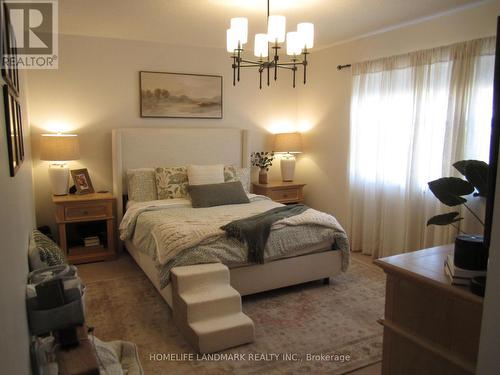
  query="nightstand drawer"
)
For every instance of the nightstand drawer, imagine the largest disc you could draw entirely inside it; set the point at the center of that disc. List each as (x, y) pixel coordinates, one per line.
(285, 194)
(86, 211)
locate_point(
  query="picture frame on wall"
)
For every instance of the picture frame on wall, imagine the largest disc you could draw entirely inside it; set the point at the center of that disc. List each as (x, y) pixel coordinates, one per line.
(82, 181)
(14, 130)
(180, 95)
(10, 72)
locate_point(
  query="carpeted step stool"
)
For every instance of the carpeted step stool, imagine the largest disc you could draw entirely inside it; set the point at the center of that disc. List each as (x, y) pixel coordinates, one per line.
(207, 309)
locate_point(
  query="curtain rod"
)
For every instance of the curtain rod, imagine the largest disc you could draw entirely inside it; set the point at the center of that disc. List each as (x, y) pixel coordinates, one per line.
(340, 67)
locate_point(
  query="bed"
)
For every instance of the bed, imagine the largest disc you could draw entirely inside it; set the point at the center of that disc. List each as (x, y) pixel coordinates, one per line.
(146, 148)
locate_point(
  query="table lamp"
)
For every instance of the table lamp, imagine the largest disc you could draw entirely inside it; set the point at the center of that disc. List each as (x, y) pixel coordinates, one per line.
(58, 149)
(288, 144)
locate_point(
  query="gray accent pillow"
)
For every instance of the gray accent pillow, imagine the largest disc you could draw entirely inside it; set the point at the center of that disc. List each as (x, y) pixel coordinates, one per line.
(43, 252)
(217, 194)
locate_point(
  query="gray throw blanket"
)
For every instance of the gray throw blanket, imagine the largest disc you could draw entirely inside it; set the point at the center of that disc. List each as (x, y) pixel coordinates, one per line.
(255, 230)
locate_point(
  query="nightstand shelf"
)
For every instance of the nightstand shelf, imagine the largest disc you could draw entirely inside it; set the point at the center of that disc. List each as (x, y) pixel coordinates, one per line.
(80, 216)
(282, 192)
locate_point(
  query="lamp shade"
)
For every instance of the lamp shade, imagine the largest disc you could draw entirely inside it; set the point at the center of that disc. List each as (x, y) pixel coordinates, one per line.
(294, 43)
(240, 27)
(288, 142)
(59, 147)
(261, 45)
(232, 40)
(276, 28)
(306, 29)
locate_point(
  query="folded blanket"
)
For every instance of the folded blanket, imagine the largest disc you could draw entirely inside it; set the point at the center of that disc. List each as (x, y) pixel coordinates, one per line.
(255, 230)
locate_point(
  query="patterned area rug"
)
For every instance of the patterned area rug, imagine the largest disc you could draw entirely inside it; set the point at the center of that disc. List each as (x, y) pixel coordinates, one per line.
(309, 328)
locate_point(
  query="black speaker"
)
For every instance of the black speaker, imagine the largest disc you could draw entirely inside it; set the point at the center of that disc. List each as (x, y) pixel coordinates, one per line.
(470, 253)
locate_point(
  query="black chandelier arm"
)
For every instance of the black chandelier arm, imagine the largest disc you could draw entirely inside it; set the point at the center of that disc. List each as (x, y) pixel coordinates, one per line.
(286, 67)
(243, 63)
(305, 66)
(234, 70)
(250, 65)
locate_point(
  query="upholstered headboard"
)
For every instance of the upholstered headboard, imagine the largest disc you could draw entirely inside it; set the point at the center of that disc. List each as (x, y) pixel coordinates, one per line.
(155, 147)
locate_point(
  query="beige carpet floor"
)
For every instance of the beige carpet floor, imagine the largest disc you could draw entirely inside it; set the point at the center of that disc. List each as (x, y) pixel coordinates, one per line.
(311, 318)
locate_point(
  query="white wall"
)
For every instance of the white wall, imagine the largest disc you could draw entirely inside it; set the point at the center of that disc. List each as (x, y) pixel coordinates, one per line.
(16, 223)
(96, 89)
(325, 101)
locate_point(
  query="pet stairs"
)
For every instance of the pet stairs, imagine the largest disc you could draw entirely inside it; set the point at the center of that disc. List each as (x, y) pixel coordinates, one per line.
(207, 309)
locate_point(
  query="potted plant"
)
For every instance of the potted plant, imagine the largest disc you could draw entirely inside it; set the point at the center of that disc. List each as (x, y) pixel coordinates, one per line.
(263, 160)
(470, 252)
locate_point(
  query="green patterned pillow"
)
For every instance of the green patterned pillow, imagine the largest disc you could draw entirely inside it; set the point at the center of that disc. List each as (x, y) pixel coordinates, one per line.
(44, 252)
(171, 182)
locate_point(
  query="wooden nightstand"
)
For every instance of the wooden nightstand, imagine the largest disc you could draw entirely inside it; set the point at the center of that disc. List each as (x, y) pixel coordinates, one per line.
(282, 192)
(80, 216)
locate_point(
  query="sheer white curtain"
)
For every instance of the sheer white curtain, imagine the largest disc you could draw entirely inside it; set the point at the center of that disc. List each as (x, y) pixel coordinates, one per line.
(412, 117)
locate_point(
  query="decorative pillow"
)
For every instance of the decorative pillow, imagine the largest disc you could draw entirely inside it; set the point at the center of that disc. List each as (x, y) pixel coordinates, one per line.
(217, 194)
(43, 252)
(232, 173)
(244, 176)
(205, 174)
(171, 182)
(141, 185)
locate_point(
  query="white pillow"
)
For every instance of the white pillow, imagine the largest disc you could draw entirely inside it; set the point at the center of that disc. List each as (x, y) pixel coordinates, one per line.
(205, 174)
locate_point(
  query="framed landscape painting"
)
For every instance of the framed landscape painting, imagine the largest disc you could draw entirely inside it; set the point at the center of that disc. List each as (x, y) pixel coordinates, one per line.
(14, 130)
(180, 95)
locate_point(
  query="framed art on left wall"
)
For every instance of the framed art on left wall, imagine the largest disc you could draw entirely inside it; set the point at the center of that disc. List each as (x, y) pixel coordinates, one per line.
(14, 130)
(8, 50)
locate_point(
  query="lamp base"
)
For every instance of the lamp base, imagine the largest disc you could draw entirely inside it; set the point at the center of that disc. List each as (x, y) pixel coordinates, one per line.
(59, 176)
(287, 168)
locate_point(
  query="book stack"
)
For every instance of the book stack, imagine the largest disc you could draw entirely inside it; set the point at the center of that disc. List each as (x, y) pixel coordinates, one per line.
(459, 276)
(91, 241)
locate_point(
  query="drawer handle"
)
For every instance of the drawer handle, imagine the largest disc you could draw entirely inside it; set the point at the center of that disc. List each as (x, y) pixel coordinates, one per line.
(284, 195)
(85, 212)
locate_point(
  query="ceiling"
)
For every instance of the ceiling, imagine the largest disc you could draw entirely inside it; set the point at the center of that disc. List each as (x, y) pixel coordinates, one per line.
(204, 22)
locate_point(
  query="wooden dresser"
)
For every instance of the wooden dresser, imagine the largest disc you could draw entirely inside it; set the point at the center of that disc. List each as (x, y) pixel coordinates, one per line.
(430, 326)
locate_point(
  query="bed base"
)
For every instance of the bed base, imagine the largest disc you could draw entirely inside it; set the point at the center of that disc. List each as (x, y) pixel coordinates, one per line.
(259, 277)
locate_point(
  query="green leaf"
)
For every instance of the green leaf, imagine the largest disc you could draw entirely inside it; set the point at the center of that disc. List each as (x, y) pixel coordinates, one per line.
(444, 219)
(449, 190)
(476, 172)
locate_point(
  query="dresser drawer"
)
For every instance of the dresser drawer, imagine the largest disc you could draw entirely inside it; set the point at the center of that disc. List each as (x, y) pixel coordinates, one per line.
(91, 211)
(285, 194)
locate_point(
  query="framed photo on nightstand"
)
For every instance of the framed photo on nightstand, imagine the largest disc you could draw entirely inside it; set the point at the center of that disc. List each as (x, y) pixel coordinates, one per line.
(82, 181)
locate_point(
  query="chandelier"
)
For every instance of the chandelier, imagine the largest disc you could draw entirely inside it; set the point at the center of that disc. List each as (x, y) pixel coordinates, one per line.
(297, 45)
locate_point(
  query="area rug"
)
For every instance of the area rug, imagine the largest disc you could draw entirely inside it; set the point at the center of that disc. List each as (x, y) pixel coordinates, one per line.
(309, 328)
